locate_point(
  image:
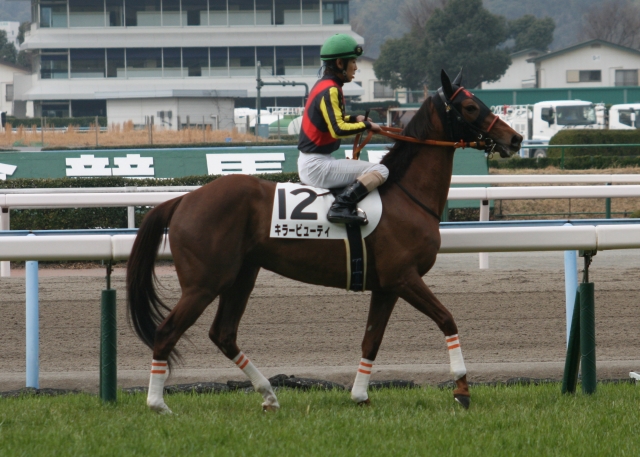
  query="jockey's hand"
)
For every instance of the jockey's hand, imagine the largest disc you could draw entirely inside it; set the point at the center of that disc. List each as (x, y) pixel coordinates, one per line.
(375, 127)
(361, 118)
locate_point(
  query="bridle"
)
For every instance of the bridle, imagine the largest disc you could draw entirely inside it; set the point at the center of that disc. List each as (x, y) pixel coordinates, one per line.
(453, 121)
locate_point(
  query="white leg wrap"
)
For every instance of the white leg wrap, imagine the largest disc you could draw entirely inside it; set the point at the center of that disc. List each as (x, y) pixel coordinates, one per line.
(260, 383)
(361, 384)
(458, 369)
(159, 374)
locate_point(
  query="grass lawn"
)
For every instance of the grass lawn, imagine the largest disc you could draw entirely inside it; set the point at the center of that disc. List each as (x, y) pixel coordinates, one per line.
(510, 421)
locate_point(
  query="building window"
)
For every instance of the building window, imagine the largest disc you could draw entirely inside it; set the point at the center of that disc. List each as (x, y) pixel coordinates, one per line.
(264, 12)
(143, 13)
(86, 13)
(310, 12)
(9, 92)
(144, 63)
(172, 62)
(241, 12)
(87, 63)
(311, 60)
(171, 14)
(54, 64)
(115, 63)
(288, 12)
(195, 12)
(266, 57)
(195, 62)
(115, 12)
(626, 77)
(53, 13)
(219, 58)
(55, 109)
(382, 91)
(218, 12)
(288, 60)
(242, 61)
(584, 76)
(335, 12)
(88, 108)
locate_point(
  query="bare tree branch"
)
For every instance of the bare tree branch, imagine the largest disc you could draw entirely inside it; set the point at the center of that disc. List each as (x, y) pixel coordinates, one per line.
(616, 21)
(416, 13)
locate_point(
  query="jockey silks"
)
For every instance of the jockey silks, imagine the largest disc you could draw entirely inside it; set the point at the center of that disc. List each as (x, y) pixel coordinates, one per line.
(324, 122)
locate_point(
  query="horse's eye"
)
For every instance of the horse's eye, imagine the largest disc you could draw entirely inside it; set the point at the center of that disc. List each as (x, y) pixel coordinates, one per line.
(471, 108)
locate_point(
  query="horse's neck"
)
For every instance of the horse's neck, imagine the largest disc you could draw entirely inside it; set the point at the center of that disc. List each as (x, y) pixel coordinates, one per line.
(429, 176)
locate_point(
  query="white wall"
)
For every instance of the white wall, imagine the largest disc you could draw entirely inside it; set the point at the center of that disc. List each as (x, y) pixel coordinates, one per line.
(367, 77)
(12, 28)
(553, 71)
(120, 111)
(519, 74)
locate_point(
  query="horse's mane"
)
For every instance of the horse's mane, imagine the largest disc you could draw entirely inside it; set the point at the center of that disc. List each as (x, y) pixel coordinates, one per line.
(402, 153)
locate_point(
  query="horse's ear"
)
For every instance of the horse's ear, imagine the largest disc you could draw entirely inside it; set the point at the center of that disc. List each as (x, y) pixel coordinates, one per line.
(458, 80)
(446, 83)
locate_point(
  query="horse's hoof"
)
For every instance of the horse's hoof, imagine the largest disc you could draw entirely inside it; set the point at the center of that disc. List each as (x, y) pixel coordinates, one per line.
(463, 400)
(270, 408)
(367, 402)
(161, 409)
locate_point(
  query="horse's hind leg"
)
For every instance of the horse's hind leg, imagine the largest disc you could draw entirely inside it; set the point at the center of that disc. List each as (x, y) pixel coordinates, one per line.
(416, 292)
(224, 332)
(182, 316)
(382, 304)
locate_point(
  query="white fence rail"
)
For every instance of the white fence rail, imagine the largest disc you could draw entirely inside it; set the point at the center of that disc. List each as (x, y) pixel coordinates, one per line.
(454, 240)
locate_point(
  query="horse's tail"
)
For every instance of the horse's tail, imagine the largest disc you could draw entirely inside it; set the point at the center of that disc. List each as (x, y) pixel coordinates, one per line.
(144, 307)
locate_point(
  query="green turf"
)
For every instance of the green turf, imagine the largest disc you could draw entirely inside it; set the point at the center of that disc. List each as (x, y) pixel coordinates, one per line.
(509, 421)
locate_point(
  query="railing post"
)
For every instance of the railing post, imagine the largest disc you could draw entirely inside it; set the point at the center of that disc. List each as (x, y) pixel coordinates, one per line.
(131, 217)
(562, 158)
(108, 343)
(607, 206)
(5, 265)
(570, 284)
(484, 216)
(32, 324)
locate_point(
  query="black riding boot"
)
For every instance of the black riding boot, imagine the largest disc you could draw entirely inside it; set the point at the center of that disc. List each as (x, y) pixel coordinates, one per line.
(344, 210)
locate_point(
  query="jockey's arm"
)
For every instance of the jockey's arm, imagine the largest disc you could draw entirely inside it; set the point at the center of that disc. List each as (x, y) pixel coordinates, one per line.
(339, 124)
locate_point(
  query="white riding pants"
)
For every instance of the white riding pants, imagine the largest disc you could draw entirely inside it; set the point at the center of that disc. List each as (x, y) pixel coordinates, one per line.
(324, 170)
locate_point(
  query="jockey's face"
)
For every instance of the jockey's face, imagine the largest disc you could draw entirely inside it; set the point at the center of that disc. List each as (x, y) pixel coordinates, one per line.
(351, 68)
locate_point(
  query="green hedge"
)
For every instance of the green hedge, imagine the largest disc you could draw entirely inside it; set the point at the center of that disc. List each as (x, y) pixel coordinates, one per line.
(91, 218)
(595, 137)
(57, 121)
(570, 163)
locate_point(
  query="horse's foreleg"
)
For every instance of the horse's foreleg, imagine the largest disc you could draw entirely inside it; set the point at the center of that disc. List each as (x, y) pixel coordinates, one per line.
(416, 292)
(181, 317)
(382, 304)
(224, 332)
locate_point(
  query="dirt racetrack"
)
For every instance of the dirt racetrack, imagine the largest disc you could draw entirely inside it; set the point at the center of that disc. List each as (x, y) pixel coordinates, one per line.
(511, 320)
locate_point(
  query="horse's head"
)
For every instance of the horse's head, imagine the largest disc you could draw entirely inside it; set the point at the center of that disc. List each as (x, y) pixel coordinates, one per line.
(465, 117)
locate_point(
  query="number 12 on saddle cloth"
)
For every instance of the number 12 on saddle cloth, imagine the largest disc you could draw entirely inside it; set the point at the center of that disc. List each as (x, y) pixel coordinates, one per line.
(300, 212)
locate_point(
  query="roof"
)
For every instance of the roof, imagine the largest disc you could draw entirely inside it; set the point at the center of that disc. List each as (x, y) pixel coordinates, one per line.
(583, 45)
(4, 63)
(528, 51)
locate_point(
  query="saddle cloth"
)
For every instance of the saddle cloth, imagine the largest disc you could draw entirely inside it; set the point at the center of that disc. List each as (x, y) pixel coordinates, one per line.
(300, 212)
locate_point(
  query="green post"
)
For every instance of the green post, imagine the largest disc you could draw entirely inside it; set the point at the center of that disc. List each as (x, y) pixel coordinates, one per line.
(572, 362)
(562, 158)
(588, 337)
(108, 347)
(445, 213)
(607, 206)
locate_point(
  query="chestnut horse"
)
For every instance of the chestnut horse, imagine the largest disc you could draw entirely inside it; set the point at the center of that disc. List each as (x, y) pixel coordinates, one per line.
(219, 238)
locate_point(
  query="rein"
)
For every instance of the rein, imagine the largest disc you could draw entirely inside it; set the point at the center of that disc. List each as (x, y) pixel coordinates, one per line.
(395, 133)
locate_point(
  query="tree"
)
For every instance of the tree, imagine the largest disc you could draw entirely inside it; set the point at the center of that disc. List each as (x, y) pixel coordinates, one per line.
(402, 63)
(417, 12)
(531, 33)
(616, 21)
(8, 51)
(465, 34)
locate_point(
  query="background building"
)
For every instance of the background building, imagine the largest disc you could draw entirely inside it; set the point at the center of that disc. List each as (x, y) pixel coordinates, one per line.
(12, 28)
(131, 59)
(520, 74)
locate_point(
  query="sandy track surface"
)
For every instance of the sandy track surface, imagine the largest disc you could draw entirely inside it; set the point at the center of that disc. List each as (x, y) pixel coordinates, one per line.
(511, 320)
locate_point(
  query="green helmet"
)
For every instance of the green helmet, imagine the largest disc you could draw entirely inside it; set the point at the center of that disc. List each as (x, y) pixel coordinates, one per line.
(340, 46)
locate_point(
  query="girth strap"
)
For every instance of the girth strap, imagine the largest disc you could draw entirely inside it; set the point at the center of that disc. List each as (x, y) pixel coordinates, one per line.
(418, 202)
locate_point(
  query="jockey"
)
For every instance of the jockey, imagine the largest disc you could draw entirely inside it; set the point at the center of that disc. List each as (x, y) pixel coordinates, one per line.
(324, 123)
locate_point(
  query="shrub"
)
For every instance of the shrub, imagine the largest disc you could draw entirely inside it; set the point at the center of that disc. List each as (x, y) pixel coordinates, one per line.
(595, 137)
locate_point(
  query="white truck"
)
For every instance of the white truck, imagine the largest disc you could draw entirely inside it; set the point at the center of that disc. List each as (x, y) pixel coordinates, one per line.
(539, 122)
(624, 116)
